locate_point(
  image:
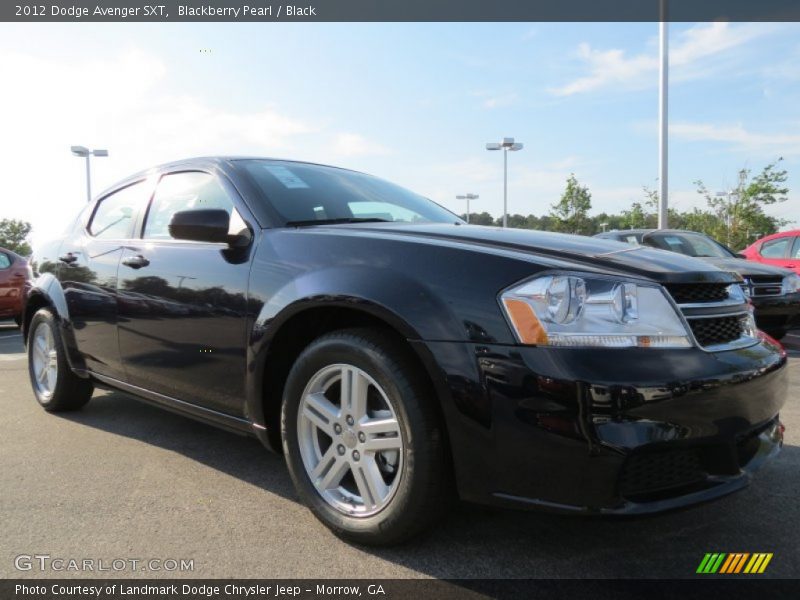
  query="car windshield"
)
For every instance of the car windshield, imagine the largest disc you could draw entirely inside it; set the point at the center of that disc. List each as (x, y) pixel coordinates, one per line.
(690, 244)
(306, 194)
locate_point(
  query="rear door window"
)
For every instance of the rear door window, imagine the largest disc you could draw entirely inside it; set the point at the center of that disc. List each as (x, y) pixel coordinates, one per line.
(5, 261)
(115, 214)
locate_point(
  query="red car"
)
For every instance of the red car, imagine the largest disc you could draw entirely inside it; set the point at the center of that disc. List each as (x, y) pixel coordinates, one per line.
(779, 249)
(14, 273)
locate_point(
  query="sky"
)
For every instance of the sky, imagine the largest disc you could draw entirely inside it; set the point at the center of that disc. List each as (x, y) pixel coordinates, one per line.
(414, 103)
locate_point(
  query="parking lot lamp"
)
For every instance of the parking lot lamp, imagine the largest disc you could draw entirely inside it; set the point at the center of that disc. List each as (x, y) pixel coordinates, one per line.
(468, 197)
(84, 152)
(506, 145)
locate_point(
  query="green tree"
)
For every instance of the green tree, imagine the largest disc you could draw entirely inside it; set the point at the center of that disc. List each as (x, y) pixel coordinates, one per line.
(13, 236)
(483, 218)
(740, 212)
(570, 213)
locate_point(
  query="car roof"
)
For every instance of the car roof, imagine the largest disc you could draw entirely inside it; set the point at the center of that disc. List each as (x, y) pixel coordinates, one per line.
(218, 160)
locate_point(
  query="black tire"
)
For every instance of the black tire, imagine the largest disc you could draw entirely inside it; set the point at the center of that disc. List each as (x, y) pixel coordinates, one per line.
(776, 334)
(425, 486)
(70, 392)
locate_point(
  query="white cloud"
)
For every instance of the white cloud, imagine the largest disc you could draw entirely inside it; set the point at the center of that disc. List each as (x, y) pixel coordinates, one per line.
(353, 144)
(615, 67)
(785, 143)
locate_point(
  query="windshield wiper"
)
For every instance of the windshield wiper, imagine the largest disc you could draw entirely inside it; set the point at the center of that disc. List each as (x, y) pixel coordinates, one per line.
(336, 221)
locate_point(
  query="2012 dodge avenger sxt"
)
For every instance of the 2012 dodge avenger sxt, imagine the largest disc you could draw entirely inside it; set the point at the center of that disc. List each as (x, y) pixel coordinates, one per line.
(395, 354)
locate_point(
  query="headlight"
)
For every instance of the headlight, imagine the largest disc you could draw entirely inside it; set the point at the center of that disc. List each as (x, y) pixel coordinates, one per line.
(571, 310)
(791, 284)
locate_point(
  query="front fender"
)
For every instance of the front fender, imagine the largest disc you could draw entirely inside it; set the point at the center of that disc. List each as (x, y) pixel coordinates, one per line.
(402, 303)
(406, 304)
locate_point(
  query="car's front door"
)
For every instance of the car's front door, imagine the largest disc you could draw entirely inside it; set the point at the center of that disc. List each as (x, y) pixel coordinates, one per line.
(776, 251)
(183, 304)
(87, 269)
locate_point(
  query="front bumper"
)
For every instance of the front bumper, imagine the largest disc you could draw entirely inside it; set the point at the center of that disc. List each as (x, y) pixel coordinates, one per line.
(775, 313)
(608, 431)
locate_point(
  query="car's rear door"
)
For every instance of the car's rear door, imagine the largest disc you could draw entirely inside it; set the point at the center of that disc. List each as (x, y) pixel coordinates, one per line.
(793, 262)
(183, 304)
(87, 268)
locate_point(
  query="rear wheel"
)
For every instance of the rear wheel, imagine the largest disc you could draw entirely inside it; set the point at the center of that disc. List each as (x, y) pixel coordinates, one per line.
(362, 438)
(54, 384)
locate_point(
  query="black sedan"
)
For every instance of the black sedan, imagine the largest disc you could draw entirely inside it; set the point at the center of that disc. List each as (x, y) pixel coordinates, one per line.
(396, 355)
(774, 292)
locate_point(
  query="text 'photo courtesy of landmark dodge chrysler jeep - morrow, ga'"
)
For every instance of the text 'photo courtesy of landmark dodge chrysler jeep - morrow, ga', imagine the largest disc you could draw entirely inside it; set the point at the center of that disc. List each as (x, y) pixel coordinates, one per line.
(400, 358)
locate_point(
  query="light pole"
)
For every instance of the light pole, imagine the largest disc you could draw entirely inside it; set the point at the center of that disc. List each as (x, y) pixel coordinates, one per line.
(506, 145)
(663, 152)
(730, 208)
(468, 197)
(84, 152)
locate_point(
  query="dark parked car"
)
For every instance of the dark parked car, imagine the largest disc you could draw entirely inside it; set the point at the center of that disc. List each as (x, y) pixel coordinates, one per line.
(395, 354)
(14, 273)
(774, 292)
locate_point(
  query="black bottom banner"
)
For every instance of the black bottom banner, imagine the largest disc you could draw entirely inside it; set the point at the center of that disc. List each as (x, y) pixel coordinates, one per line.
(393, 589)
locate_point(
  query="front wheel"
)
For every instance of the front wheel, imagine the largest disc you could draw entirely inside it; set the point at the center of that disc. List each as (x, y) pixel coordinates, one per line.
(54, 384)
(362, 438)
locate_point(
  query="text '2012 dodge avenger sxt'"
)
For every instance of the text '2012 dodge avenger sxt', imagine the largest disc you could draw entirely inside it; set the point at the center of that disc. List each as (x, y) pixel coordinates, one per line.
(395, 354)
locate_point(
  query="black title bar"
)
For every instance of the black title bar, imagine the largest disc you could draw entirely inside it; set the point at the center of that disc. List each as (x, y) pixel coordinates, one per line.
(399, 10)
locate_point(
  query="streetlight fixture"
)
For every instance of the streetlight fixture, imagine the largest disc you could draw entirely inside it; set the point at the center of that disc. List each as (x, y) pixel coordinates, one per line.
(506, 145)
(84, 152)
(468, 197)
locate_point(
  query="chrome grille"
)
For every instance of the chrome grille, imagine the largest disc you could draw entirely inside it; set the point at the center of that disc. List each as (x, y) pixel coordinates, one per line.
(718, 320)
(763, 285)
(715, 331)
(691, 293)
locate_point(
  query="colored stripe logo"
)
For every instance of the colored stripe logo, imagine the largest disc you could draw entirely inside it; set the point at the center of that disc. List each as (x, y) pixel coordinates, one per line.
(734, 563)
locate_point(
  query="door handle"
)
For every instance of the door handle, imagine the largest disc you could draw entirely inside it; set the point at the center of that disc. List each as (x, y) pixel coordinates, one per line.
(68, 258)
(135, 262)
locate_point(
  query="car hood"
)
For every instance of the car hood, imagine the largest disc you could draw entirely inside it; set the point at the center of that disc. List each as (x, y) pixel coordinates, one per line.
(745, 268)
(593, 254)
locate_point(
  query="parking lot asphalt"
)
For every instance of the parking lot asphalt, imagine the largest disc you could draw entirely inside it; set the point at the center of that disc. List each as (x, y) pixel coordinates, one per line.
(121, 479)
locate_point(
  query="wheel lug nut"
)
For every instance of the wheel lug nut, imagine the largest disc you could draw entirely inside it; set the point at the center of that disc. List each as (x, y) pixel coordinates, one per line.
(349, 420)
(340, 449)
(337, 428)
(356, 455)
(361, 437)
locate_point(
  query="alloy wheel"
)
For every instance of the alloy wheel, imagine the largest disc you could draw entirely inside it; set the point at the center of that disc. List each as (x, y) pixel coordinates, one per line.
(350, 440)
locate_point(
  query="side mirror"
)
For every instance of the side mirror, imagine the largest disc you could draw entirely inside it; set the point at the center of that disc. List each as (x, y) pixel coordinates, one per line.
(203, 225)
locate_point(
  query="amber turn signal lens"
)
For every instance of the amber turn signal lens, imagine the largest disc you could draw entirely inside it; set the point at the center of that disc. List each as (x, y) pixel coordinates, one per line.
(528, 327)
